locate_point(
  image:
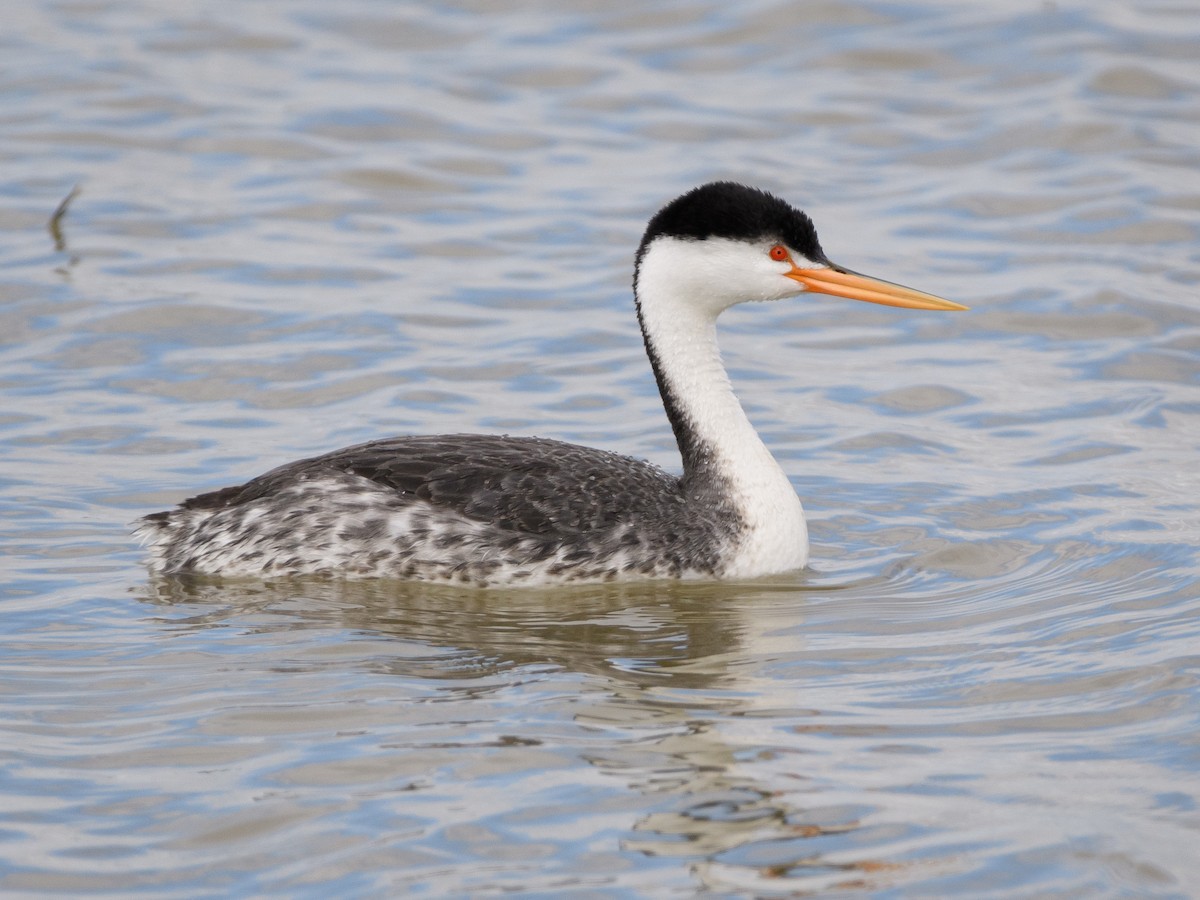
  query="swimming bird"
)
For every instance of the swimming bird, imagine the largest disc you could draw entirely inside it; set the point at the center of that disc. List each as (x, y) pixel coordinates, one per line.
(500, 510)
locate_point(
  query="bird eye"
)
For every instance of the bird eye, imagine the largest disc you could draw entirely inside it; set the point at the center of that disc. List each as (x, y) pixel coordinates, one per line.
(779, 253)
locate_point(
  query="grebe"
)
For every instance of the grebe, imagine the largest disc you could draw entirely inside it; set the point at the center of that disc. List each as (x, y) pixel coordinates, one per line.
(500, 510)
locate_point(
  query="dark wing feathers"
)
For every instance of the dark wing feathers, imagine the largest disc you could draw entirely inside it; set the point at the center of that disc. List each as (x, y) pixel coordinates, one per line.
(531, 485)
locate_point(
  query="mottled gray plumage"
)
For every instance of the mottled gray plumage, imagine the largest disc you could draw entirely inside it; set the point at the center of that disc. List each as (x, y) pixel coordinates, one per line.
(469, 508)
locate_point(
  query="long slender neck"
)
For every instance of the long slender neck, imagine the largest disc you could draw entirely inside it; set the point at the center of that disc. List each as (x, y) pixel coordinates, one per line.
(726, 465)
(705, 415)
(715, 438)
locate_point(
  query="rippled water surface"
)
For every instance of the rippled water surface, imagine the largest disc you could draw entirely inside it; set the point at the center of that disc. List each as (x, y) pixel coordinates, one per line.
(301, 225)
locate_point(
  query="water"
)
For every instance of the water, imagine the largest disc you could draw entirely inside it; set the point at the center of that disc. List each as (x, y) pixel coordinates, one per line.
(303, 225)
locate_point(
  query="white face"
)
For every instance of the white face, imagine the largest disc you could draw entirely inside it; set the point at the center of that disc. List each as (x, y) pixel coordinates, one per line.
(717, 273)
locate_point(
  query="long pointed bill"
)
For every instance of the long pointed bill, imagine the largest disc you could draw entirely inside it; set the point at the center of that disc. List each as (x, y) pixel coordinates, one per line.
(843, 283)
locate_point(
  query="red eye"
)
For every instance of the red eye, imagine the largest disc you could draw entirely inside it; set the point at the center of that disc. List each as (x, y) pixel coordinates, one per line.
(779, 253)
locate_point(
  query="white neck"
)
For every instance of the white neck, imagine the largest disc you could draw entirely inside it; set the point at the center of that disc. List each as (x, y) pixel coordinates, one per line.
(678, 317)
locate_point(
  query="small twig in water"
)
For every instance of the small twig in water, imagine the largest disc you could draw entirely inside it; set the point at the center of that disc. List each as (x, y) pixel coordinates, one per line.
(55, 224)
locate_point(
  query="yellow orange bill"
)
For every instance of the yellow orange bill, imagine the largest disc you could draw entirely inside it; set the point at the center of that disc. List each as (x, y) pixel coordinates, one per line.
(843, 283)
